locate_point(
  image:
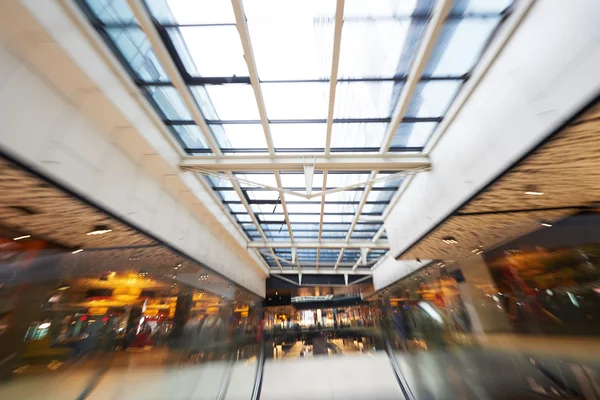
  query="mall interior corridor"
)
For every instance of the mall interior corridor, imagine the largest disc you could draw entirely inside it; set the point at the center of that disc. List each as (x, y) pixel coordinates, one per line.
(285, 199)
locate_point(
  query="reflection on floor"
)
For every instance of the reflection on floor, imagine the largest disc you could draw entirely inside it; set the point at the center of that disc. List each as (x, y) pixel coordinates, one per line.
(147, 375)
(334, 347)
(322, 377)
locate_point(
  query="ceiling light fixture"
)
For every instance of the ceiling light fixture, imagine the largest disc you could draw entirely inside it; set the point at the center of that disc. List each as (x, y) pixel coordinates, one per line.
(99, 230)
(76, 251)
(449, 240)
(534, 193)
(477, 250)
(22, 237)
(546, 224)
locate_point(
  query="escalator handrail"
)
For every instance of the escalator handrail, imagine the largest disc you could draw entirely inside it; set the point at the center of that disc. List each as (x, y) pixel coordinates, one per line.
(559, 383)
(259, 370)
(397, 371)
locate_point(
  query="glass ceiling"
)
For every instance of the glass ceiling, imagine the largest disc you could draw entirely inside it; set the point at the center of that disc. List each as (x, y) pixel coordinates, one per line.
(292, 45)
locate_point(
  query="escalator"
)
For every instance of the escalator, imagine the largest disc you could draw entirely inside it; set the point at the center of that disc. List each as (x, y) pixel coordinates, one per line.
(422, 361)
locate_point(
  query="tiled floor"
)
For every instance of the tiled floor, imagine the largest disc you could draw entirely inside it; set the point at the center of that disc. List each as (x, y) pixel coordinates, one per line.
(350, 377)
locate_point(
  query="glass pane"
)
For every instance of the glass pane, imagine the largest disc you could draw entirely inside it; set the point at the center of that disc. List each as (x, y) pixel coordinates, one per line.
(243, 218)
(192, 11)
(262, 194)
(191, 136)
(380, 195)
(374, 208)
(337, 218)
(227, 102)
(340, 208)
(341, 180)
(253, 180)
(271, 217)
(366, 99)
(295, 50)
(274, 227)
(459, 46)
(480, 6)
(432, 98)
(373, 9)
(391, 182)
(296, 100)
(413, 134)
(302, 234)
(333, 235)
(249, 136)
(219, 182)
(336, 227)
(267, 208)
(304, 218)
(298, 181)
(210, 51)
(378, 49)
(304, 208)
(358, 134)
(298, 136)
(237, 208)
(361, 226)
(136, 50)
(329, 253)
(168, 102)
(348, 195)
(228, 195)
(112, 11)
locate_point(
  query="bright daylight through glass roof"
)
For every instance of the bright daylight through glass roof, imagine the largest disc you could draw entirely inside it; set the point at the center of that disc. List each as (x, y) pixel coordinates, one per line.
(304, 117)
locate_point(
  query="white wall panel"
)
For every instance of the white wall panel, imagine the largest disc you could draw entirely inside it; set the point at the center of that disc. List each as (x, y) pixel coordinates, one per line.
(545, 74)
(78, 123)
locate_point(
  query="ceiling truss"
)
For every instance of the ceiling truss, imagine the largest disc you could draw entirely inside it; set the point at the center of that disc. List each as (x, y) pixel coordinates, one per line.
(358, 235)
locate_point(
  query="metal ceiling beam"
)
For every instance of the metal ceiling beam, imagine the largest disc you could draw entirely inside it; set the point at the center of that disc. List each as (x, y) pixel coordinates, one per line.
(377, 236)
(331, 162)
(322, 213)
(501, 38)
(339, 259)
(141, 14)
(335, 61)
(325, 271)
(157, 44)
(428, 44)
(361, 205)
(242, 27)
(323, 245)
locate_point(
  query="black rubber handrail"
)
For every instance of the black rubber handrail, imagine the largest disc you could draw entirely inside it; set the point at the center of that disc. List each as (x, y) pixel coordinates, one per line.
(558, 382)
(227, 377)
(259, 370)
(399, 376)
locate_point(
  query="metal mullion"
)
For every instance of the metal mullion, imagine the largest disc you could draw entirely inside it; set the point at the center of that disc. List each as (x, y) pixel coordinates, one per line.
(358, 80)
(339, 259)
(301, 121)
(363, 201)
(324, 186)
(242, 196)
(284, 206)
(242, 27)
(169, 25)
(332, 245)
(373, 240)
(335, 61)
(172, 69)
(429, 41)
(165, 57)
